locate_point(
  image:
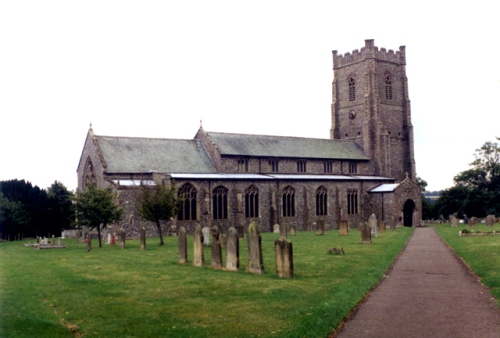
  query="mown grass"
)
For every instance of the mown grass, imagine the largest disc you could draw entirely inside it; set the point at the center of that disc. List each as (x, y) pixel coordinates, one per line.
(481, 253)
(114, 292)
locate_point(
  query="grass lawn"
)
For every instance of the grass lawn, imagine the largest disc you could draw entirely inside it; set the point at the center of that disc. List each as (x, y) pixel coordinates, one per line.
(481, 253)
(114, 292)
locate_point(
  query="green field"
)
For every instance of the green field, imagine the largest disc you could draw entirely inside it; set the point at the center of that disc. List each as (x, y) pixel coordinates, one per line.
(114, 292)
(481, 253)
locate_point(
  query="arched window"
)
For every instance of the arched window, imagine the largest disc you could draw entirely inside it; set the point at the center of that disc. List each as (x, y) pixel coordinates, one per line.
(352, 202)
(252, 202)
(88, 173)
(187, 211)
(321, 199)
(219, 203)
(352, 89)
(388, 87)
(289, 202)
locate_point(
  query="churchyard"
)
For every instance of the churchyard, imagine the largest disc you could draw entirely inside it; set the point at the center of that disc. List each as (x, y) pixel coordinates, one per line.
(130, 292)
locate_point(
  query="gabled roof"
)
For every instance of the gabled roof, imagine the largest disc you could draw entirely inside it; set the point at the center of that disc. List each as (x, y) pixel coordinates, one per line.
(281, 146)
(142, 155)
(385, 188)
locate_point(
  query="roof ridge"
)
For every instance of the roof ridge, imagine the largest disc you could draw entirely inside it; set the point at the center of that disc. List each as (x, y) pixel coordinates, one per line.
(145, 138)
(279, 136)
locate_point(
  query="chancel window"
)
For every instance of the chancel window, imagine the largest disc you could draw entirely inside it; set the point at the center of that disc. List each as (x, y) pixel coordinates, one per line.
(352, 202)
(289, 202)
(301, 166)
(321, 201)
(273, 165)
(219, 203)
(243, 165)
(88, 173)
(352, 89)
(251, 202)
(187, 211)
(388, 88)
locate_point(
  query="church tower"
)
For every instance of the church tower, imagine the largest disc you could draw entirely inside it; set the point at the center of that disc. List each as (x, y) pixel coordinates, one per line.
(370, 105)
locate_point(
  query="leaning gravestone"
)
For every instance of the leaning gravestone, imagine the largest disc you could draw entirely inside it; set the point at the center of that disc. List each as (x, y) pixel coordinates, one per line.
(232, 250)
(366, 235)
(206, 236)
(199, 256)
(216, 261)
(344, 228)
(320, 227)
(284, 258)
(183, 254)
(256, 262)
(372, 221)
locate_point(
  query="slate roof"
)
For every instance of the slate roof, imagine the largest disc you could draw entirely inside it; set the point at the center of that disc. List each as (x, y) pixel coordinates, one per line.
(385, 187)
(135, 155)
(281, 146)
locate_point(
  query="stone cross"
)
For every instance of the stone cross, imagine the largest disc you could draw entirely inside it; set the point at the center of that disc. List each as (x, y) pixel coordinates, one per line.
(183, 254)
(216, 261)
(232, 250)
(372, 221)
(284, 258)
(256, 263)
(344, 228)
(199, 255)
(206, 236)
(366, 235)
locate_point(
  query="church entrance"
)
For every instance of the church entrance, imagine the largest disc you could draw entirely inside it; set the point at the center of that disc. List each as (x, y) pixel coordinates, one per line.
(408, 210)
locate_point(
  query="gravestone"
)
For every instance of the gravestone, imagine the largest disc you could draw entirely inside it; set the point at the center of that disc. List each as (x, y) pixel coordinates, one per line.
(232, 250)
(216, 261)
(366, 235)
(392, 224)
(183, 254)
(89, 243)
(240, 229)
(276, 228)
(372, 221)
(143, 238)
(320, 227)
(381, 226)
(199, 255)
(454, 222)
(206, 236)
(490, 220)
(283, 230)
(58, 240)
(293, 231)
(344, 228)
(283, 250)
(223, 241)
(256, 263)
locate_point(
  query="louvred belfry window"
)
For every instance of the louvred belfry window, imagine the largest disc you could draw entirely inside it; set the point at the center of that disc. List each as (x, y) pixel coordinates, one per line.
(352, 89)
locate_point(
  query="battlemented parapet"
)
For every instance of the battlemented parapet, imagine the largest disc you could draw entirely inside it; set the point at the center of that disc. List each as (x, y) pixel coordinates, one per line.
(369, 51)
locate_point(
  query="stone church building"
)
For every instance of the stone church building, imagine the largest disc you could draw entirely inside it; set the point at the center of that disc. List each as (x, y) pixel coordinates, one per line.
(366, 166)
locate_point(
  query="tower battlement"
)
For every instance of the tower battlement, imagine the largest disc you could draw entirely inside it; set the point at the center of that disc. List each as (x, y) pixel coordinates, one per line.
(369, 51)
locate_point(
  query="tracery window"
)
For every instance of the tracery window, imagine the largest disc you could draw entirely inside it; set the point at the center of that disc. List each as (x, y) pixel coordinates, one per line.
(187, 211)
(388, 88)
(352, 202)
(321, 201)
(352, 89)
(252, 202)
(289, 202)
(219, 203)
(88, 173)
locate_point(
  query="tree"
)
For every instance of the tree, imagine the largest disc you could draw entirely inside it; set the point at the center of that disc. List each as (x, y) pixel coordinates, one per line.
(61, 207)
(96, 208)
(158, 203)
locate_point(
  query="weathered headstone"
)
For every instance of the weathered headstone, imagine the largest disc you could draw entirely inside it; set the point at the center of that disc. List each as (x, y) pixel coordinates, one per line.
(276, 228)
(372, 222)
(216, 261)
(256, 262)
(320, 227)
(199, 255)
(366, 235)
(293, 231)
(490, 220)
(381, 226)
(232, 250)
(183, 254)
(454, 222)
(241, 231)
(206, 236)
(283, 250)
(58, 240)
(143, 238)
(392, 224)
(89, 243)
(283, 230)
(344, 228)
(223, 241)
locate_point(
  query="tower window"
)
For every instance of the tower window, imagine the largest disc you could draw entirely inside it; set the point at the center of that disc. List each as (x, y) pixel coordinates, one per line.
(219, 203)
(352, 202)
(352, 89)
(321, 199)
(328, 167)
(388, 88)
(242, 165)
(301, 166)
(289, 202)
(273, 165)
(251, 202)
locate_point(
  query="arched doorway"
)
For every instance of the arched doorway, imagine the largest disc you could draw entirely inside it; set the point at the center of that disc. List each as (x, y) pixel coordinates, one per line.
(408, 210)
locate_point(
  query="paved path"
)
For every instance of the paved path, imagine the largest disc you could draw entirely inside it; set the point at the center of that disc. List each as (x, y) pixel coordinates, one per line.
(428, 293)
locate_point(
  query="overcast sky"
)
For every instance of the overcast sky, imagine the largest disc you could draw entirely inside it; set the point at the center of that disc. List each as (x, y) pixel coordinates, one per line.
(156, 68)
